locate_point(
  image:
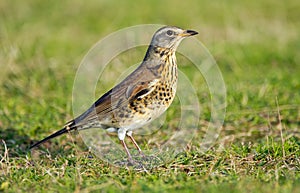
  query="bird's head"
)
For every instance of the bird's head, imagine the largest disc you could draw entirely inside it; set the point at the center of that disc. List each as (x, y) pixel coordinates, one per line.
(170, 37)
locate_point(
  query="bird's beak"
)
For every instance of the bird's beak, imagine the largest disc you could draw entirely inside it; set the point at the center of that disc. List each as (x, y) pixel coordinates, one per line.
(188, 33)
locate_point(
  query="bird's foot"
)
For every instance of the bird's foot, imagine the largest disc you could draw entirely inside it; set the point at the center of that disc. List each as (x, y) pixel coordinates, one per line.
(142, 154)
(131, 162)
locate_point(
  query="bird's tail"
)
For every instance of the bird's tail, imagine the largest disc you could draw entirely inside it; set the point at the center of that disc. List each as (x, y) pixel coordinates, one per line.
(68, 127)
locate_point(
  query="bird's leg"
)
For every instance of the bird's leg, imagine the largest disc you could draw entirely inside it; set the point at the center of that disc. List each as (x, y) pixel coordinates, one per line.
(121, 136)
(130, 160)
(129, 134)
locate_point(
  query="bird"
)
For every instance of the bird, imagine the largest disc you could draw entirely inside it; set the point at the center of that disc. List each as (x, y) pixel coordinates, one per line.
(140, 98)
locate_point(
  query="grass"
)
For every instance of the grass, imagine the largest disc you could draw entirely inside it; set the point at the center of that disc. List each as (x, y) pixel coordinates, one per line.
(255, 44)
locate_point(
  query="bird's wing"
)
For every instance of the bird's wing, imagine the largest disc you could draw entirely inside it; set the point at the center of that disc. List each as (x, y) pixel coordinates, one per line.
(137, 84)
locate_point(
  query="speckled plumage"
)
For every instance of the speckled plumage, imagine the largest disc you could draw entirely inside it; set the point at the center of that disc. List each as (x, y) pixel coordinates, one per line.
(141, 97)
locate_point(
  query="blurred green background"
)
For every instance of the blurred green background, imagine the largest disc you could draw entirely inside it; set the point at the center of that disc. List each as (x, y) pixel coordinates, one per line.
(255, 43)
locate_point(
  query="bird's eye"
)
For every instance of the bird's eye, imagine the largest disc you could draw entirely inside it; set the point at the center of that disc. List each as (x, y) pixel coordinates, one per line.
(170, 32)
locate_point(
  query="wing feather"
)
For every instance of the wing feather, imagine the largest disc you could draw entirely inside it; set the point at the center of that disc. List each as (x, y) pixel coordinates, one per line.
(140, 79)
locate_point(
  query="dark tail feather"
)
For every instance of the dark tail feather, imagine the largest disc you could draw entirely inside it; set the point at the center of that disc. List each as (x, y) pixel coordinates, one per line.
(68, 127)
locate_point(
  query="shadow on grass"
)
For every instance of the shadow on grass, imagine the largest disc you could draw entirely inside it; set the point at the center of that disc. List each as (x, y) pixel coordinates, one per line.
(16, 143)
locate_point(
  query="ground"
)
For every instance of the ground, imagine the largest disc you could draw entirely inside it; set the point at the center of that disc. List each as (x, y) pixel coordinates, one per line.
(255, 44)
